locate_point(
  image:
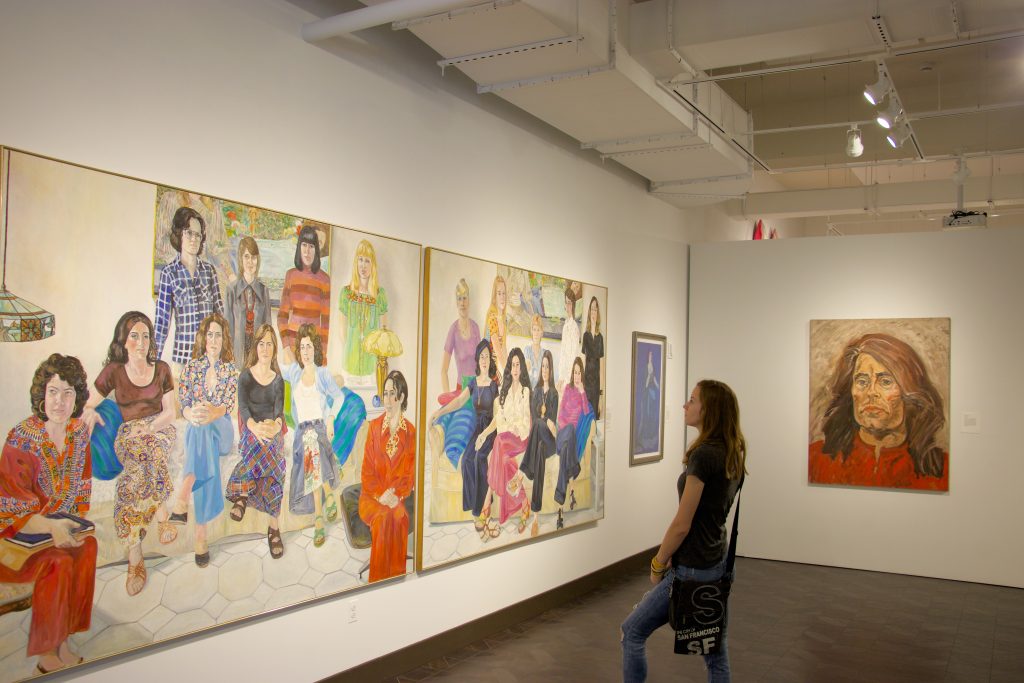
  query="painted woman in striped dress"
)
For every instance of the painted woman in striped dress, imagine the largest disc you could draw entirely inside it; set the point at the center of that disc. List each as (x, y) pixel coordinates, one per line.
(306, 297)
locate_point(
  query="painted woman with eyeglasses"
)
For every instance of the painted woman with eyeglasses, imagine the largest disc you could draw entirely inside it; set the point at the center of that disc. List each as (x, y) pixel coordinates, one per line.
(188, 287)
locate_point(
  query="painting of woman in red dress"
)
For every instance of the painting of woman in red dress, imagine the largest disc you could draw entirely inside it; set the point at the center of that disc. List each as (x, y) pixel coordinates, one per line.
(45, 490)
(883, 420)
(388, 476)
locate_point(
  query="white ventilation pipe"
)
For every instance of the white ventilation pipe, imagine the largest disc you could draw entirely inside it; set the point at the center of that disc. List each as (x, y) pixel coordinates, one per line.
(375, 15)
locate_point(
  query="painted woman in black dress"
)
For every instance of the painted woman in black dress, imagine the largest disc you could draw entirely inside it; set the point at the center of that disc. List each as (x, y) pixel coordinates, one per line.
(541, 445)
(482, 390)
(593, 351)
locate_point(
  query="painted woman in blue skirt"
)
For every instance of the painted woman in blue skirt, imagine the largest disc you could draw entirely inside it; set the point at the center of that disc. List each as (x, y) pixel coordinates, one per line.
(207, 390)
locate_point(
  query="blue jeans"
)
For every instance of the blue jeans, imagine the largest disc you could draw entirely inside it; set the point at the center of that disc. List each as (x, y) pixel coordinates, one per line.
(651, 613)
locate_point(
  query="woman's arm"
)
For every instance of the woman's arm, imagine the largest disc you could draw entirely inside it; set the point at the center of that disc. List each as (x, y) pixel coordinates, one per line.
(452, 405)
(446, 361)
(679, 527)
(166, 414)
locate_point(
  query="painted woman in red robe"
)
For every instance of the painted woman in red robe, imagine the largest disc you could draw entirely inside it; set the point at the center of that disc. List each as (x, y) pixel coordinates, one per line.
(45, 489)
(388, 476)
(881, 422)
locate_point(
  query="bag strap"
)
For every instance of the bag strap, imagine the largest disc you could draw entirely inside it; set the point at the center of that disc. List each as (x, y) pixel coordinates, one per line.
(730, 562)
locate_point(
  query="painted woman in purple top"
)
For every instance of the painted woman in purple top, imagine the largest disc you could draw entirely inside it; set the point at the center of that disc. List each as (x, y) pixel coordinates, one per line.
(574, 411)
(461, 342)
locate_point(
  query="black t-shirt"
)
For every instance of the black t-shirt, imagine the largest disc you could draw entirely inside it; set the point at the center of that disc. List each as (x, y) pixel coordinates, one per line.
(705, 545)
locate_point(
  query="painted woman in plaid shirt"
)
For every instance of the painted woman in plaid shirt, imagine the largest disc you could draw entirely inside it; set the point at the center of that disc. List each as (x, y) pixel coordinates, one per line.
(188, 287)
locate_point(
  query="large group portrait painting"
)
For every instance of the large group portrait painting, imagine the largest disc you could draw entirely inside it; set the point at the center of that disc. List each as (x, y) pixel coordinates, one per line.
(223, 424)
(879, 403)
(512, 425)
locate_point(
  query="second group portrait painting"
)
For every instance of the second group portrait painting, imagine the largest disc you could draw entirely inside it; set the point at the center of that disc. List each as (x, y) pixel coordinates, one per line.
(513, 409)
(879, 410)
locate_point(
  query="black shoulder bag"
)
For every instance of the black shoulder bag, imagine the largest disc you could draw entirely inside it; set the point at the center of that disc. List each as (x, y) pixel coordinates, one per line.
(698, 610)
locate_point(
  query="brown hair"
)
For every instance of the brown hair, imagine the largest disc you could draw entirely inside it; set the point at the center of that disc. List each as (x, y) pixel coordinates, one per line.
(922, 403)
(597, 323)
(249, 245)
(251, 358)
(179, 224)
(116, 352)
(69, 369)
(720, 423)
(199, 347)
(309, 330)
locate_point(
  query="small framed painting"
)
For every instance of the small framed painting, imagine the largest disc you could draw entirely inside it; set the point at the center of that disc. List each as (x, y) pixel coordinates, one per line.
(647, 406)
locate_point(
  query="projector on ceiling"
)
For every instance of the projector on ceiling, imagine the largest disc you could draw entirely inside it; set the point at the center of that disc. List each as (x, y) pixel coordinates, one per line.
(964, 220)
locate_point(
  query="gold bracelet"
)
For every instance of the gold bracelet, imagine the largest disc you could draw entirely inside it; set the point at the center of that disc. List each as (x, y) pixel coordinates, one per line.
(657, 567)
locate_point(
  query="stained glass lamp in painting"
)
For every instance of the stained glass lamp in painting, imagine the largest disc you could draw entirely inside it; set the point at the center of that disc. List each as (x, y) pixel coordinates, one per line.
(384, 344)
(20, 320)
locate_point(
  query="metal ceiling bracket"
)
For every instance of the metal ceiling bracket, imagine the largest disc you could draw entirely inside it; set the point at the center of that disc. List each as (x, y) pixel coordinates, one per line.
(699, 181)
(452, 14)
(511, 50)
(658, 150)
(640, 140)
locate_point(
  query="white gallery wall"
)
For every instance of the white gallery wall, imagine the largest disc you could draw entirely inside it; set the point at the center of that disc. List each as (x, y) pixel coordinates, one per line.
(226, 99)
(750, 307)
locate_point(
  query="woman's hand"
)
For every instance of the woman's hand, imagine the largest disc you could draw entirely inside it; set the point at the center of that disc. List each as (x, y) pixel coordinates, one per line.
(90, 417)
(480, 441)
(61, 531)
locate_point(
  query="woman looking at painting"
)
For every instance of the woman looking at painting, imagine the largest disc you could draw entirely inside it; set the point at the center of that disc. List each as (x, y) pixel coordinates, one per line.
(481, 391)
(144, 392)
(533, 352)
(543, 432)
(575, 416)
(694, 545)
(258, 479)
(306, 297)
(207, 391)
(593, 352)
(388, 476)
(45, 477)
(461, 342)
(512, 424)
(364, 308)
(496, 322)
(314, 467)
(247, 304)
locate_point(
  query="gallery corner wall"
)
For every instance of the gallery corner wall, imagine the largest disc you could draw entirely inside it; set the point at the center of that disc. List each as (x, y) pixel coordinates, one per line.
(750, 307)
(226, 99)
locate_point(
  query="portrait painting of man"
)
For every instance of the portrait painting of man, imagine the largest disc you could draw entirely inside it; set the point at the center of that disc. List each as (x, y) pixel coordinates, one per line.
(879, 398)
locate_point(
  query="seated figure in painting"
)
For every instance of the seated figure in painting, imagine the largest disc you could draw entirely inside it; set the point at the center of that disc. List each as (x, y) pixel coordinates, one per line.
(452, 430)
(543, 433)
(511, 424)
(482, 390)
(388, 477)
(207, 390)
(881, 422)
(45, 480)
(143, 388)
(316, 398)
(575, 417)
(258, 479)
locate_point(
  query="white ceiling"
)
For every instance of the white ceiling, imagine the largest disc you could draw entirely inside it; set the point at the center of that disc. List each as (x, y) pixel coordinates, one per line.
(750, 100)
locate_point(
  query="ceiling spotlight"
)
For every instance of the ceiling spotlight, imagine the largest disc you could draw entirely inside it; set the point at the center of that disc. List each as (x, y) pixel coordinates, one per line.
(887, 119)
(877, 91)
(854, 143)
(898, 135)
